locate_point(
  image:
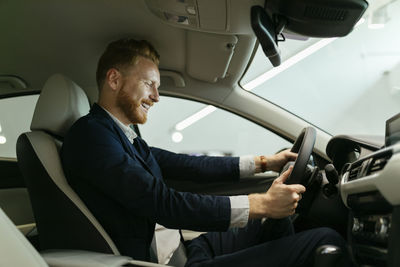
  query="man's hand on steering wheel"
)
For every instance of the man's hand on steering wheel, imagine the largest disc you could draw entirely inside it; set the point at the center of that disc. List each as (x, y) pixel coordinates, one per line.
(283, 196)
(281, 200)
(275, 162)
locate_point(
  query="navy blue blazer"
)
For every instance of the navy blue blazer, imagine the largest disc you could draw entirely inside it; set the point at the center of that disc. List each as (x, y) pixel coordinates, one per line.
(123, 184)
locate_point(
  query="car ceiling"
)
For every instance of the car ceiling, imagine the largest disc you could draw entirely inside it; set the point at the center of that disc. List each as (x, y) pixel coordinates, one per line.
(40, 38)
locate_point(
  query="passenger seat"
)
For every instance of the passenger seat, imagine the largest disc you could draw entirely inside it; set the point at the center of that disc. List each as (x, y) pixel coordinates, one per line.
(16, 251)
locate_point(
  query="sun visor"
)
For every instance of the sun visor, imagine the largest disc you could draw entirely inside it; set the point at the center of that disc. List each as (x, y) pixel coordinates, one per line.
(208, 55)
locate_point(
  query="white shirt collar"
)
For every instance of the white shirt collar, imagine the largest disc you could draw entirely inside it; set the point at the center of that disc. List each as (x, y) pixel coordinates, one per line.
(128, 131)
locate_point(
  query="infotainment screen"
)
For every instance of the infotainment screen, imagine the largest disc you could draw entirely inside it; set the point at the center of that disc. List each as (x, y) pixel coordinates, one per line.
(392, 135)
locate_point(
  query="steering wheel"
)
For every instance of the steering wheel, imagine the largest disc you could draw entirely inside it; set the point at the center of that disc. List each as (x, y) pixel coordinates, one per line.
(303, 146)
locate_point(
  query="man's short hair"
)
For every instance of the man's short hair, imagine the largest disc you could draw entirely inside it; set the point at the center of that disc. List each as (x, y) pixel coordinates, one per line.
(123, 53)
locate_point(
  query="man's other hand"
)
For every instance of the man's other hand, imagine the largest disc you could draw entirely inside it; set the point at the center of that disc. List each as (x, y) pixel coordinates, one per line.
(274, 162)
(279, 201)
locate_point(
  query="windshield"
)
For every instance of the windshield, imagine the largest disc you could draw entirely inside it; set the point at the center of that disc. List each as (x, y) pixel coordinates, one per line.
(347, 85)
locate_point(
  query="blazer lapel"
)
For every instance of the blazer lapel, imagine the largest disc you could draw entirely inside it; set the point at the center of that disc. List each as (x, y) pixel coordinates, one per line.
(122, 137)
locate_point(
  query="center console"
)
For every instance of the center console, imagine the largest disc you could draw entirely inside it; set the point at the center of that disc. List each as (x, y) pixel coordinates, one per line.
(370, 188)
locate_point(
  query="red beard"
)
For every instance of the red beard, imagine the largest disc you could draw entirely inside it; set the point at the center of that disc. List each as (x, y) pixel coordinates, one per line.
(130, 108)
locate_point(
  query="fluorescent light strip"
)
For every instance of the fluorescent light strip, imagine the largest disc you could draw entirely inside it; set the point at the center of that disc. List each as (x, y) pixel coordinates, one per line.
(195, 117)
(287, 64)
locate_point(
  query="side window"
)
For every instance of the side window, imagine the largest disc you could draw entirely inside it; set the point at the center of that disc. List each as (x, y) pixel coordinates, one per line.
(186, 126)
(15, 118)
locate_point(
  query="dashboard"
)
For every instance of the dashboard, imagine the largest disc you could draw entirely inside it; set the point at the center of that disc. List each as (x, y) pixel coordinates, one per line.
(370, 188)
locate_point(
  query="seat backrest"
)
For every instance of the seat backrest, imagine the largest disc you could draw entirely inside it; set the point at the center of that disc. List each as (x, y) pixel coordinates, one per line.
(63, 220)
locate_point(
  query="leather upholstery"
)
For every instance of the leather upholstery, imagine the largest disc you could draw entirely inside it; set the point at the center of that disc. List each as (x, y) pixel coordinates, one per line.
(15, 250)
(60, 104)
(63, 220)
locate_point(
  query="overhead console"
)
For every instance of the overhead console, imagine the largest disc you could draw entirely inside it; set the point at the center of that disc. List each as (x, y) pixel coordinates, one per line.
(217, 16)
(213, 29)
(187, 13)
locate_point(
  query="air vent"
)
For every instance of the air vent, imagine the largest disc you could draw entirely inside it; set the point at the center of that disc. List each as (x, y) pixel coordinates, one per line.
(378, 164)
(369, 165)
(324, 13)
(354, 172)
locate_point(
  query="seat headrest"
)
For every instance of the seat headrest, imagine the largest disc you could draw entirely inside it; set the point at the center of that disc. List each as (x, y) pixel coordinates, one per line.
(60, 104)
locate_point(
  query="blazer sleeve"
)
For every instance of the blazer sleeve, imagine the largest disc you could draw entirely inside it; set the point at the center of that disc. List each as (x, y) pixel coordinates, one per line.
(94, 153)
(176, 166)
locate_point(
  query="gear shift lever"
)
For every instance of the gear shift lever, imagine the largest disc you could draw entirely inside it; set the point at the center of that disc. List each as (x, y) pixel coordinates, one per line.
(327, 256)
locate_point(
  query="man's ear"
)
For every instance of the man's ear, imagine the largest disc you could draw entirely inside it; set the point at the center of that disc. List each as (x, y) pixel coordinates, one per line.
(113, 79)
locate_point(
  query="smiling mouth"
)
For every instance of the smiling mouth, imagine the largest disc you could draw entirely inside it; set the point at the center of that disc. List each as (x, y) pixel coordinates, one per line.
(146, 106)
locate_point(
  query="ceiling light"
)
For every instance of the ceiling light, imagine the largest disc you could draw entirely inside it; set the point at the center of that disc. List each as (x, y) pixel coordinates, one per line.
(177, 137)
(3, 139)
(195, 117)
(0, 127)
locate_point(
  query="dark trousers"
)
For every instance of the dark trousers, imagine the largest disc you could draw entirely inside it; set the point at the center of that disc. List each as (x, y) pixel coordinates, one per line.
(272, 243)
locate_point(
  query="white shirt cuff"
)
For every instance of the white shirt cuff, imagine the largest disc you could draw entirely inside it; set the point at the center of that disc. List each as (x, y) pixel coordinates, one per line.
(239, 211)
(247, 166)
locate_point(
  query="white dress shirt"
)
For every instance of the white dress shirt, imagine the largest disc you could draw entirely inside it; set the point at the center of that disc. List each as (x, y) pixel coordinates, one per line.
(170, 238)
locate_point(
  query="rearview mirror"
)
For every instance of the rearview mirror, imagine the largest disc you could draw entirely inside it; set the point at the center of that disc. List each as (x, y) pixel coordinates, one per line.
(311, 18)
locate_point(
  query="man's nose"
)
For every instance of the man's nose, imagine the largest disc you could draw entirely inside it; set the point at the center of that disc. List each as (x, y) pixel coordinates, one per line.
(155, 97)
